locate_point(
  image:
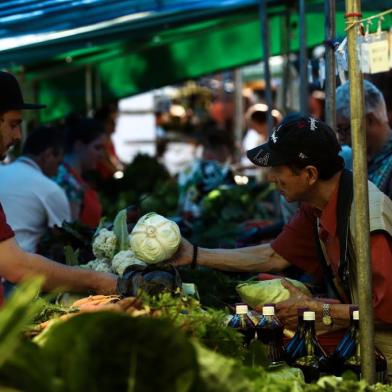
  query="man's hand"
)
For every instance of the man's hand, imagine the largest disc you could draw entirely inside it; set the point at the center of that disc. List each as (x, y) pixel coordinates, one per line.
(184, 253)
(287, 310)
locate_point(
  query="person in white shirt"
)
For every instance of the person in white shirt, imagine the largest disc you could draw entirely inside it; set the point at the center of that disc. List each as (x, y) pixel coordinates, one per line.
(31, 200)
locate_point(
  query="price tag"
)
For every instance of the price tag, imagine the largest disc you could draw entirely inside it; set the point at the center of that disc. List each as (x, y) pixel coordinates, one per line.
(375, 53)
(363, 54)
(378, 53)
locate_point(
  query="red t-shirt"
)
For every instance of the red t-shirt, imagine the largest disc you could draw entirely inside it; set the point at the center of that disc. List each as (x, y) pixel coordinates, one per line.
(297, 245)
(5, 233)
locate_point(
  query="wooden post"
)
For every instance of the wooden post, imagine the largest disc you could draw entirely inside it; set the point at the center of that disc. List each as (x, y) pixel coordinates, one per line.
(361, 199)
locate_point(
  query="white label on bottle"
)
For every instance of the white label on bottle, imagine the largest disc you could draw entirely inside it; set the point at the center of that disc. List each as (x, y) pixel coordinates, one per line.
(309, 316)
(241, 309)
(268, 311)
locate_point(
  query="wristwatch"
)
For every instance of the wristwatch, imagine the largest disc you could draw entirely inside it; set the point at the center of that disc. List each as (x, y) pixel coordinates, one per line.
(327, 319)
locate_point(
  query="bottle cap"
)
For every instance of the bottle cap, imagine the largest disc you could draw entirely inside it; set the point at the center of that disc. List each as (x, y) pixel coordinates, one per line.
(241, 309)
(309, 316)
(269, 310)
(356, 315)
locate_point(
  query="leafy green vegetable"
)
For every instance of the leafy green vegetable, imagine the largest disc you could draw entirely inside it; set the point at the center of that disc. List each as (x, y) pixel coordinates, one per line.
(75, 234)
(258, 293)
(30, 370)
(17, 314)
(219, 373)
(206, 325)
(103, 346)
(50, 310)
(71, 256)
(120, 230)
(180, 351)
(155, 190)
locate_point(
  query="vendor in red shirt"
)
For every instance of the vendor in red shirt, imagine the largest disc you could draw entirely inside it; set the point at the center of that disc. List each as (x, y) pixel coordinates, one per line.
(304, 161)
(15, 264)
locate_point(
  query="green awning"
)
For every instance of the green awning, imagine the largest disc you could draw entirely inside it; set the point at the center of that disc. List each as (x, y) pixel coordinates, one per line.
(134, 59)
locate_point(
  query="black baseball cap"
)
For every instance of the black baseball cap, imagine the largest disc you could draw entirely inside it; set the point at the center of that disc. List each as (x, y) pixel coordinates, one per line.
(298, 139)
(11, 97)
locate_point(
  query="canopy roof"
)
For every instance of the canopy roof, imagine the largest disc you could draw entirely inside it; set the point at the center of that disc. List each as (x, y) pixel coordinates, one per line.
(113, 49)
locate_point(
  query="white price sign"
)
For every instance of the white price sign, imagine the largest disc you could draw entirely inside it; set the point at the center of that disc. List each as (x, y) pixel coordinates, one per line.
(374, 53)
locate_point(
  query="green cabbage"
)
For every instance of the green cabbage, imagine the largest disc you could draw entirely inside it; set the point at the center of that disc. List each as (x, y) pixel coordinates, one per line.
(155, 238)
(256, 294)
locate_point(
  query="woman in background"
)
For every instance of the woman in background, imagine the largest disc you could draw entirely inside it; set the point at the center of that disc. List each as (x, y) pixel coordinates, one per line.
(85, 143)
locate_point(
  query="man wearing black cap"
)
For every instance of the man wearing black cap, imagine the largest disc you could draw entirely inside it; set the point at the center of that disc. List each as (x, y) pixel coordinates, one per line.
(303, 157)
(15, 264)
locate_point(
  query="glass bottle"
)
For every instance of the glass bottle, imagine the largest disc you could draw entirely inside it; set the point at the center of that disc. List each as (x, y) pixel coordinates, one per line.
(351, 357)
(269, 332)
(311, 357)
(381, 367)
(292, 347)
(242, 323)
(345, 347)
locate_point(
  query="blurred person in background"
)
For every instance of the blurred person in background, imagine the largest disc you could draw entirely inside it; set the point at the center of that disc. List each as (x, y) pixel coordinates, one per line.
(378, 133)
(85, 140)
(110, 163)
(317, 104)
(257, 133)
(206, 173)
(15, 263)
(31, 200)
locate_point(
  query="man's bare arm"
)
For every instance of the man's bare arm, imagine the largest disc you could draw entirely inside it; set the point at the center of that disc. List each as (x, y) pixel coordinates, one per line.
(260, 258)
(17, 265)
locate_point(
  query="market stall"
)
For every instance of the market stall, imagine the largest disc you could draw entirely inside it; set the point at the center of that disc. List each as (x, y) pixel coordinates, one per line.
(175, 327)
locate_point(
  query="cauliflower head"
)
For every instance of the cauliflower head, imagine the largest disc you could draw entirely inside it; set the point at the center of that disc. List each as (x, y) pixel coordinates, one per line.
(124, 259)
(99, 265)
(104, 244)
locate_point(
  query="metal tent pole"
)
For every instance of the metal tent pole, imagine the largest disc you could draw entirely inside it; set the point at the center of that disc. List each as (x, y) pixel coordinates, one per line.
(361, 200)
(266, 56)
(89, 89)
(285, 44)
(303, 60)
(330, 83)
(239, 112)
